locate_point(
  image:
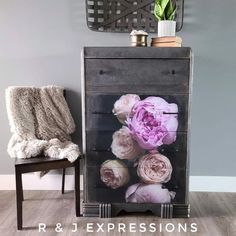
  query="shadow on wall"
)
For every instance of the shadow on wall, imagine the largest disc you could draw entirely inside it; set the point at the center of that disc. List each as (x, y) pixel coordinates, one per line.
(74, 103)
(190, 22)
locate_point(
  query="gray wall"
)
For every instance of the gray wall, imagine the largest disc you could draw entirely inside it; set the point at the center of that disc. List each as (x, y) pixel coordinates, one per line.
(40, 44)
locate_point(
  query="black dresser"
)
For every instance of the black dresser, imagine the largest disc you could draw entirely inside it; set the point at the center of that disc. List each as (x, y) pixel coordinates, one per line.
(158, 77)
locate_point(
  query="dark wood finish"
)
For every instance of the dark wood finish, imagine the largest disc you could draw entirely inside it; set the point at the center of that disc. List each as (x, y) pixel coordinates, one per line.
(170, 81)
(77, 188)
(170, 75)
(43, 164)
(136, 53)
(19, 198)
(125, 15)
(63, 181)
(107, 210)
(110, 73)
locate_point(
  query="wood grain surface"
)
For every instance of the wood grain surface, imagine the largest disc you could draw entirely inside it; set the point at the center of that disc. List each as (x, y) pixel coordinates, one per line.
(214, 214)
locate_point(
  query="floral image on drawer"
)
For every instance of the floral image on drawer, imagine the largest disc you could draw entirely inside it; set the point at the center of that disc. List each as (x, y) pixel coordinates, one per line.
(146, 125)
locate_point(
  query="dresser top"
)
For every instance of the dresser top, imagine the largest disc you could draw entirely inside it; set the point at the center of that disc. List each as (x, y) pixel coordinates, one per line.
(137, 52)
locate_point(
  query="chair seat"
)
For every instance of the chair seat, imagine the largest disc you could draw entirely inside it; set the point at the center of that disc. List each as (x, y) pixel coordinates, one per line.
(35, 160)
(42, 164)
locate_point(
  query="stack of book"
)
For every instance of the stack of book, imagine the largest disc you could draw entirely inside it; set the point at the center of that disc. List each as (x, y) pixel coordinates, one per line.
(166, 42)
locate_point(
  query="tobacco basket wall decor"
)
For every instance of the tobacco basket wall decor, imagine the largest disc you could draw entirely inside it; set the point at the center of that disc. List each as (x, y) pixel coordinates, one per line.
(125, 15)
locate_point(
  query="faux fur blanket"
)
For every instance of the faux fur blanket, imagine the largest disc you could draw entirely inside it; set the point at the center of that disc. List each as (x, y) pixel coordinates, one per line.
(41, 123)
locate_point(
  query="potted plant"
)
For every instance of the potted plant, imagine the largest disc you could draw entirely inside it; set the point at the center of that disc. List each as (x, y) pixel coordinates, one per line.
(164, 11)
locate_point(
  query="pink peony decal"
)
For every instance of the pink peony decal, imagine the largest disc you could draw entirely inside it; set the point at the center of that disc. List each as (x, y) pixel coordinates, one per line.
(123, 106)
(154, 168)
(149, 124)
(114, 173)
(148, 193)
(123, 146)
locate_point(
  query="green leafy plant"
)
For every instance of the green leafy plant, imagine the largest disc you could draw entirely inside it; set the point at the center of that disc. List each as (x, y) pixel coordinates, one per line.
(164, 10)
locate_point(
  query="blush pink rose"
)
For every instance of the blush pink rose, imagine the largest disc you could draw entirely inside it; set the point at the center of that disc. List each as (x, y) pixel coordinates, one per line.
(123, 106)
(123, 146)
(148, 193)
(154, 168)
(151, 125)
(114, 173)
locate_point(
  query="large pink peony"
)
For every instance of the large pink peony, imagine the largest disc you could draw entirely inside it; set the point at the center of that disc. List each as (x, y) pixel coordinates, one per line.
(148, 193)
(114, 173)
(123, 106)
(154, 168)
(149, 124)
(123, 146)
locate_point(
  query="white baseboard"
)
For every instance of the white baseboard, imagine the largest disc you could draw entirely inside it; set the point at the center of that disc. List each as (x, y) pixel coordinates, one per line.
(33, 182)
(53, 182)
(212, 184)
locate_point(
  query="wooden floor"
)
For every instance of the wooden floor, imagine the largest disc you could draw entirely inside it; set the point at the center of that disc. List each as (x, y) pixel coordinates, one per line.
(214, 214)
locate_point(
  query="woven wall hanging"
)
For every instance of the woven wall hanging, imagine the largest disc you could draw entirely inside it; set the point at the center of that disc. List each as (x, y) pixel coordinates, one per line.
(125, 15)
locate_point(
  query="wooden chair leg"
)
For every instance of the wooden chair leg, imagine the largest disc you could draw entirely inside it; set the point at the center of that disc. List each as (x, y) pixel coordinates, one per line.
(63, 181)
(77, 188)
(19, 198)
(21, 192)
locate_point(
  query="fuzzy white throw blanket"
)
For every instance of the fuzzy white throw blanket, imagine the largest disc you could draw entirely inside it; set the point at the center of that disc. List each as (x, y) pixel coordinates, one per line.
(41, 123)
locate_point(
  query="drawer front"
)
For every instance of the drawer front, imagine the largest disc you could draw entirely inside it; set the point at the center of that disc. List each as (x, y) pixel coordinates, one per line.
(97, 191)
(99, 149)
(155, 76)
(99, 114)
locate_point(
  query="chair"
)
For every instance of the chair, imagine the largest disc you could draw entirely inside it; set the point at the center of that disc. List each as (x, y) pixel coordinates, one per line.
(43, 164)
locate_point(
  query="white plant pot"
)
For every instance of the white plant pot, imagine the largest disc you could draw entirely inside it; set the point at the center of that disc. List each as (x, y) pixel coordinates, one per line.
(166, 28)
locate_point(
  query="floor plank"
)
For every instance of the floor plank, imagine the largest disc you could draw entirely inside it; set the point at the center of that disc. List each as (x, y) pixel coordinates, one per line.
(214, 214)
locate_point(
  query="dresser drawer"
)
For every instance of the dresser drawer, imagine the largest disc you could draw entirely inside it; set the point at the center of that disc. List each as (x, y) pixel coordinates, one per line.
(97, 191)
(98, 149)
(99, 114)
(156, 76)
